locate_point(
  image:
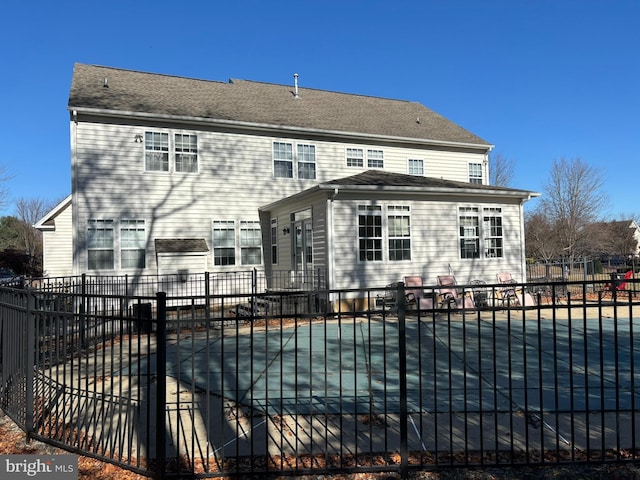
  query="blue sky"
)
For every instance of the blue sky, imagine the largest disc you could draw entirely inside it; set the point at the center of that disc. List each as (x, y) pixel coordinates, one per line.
(540, 80)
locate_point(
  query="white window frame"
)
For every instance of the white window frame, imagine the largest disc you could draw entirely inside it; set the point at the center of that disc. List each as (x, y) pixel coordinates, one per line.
(306, 159)
(469, 232)
(250, 242)
(370, 244)
(274, 241)
(99, 243)
(132, 245)
(375, 158)
(294, 160)
(354, 157)
(415, 166)
(399, 233)
(221, 244)
(175, 152)
(475, 173)
(493, 232)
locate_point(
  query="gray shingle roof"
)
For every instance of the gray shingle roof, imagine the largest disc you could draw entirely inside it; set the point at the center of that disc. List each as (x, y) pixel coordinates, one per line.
(259, 103)
(382, 178)
(181, 245)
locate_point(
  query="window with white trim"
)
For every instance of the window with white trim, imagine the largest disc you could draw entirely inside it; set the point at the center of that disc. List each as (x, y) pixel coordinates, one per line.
(375, 159)
(415, 166)
(283, 159)
(274, 241)
(355, 157)
(250, 243)
(306, 161)
(224, 242)
(100, 244)
(475, 173)
(186, 153)
(156, 152)
(180, 157)
(492, 230)
(399, 232)
(469, 232)
(132, 244)
(370, 233)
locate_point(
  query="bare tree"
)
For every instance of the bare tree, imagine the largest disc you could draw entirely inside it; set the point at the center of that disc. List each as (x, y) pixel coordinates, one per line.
(502, 170)
(4, 191)
(573, 199)
(541, 241)
(28, 212)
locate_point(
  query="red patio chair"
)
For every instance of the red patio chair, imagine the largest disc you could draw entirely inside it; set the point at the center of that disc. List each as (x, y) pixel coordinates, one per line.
(619, 285)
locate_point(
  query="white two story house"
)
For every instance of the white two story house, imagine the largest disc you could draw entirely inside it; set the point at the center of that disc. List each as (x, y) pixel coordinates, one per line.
(181, 175)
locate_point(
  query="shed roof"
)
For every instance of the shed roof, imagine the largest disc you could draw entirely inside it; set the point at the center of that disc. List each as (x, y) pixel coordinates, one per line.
(99, 88)
(181, 245)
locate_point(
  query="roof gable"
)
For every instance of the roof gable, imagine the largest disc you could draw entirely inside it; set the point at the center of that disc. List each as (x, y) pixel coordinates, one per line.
(126, 91)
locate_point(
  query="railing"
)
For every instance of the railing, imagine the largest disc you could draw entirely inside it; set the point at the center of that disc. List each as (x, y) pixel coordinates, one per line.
(361, 385)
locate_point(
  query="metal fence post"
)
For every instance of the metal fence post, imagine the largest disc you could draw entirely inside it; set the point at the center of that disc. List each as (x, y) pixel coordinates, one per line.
(402, 368)
(29, 363)
(161, 384)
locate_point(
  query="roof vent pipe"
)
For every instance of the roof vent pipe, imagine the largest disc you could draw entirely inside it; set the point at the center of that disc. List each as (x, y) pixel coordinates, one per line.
(295, 85)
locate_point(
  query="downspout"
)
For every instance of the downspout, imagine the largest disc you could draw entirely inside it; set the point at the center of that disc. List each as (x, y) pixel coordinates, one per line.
(523, 255)
(74, 191)
(331, 245)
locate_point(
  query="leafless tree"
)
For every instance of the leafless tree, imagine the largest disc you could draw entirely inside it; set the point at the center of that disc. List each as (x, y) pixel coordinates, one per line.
(502, 170)
(28, 212)
(4, 190)
(541, 241)
(573, 198)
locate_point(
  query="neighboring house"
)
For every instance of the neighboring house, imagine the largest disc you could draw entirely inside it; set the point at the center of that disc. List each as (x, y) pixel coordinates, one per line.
(57, 231)
(178, 175)
(614, 238)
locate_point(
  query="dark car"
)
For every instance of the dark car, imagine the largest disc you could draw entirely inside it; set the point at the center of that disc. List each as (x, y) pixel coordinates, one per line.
(8, 276)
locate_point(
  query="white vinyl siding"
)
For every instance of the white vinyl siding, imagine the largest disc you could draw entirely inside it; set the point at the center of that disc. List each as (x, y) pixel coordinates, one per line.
(235, 179)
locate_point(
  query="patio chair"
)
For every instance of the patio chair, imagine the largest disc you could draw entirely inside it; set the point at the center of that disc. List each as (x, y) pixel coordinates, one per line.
(448, 294)
(511, 294)
(479, 293)
(617, 284)
(414, 293)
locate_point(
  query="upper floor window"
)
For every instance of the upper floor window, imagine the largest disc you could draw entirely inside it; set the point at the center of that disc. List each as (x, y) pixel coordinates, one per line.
(355, 157)
(370, 233)
(415, 166)
(475, 173)
(306, 161)
(284, 158)
(100, 244)
(399, 232)
(132, 244)
(375, 159)
(186, 153)
(157, 150)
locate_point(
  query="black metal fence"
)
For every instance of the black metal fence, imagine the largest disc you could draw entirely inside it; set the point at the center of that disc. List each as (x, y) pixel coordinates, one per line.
(323, 382)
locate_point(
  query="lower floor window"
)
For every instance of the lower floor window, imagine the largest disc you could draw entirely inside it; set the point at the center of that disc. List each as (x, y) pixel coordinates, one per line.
(100, 244)
(132, 244)
(229, 243)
